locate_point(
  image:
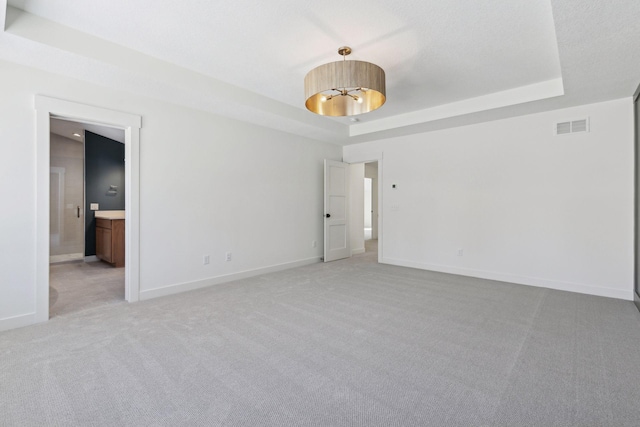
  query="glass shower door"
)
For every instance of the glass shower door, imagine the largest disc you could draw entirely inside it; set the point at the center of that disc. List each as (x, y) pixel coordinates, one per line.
(66, 215)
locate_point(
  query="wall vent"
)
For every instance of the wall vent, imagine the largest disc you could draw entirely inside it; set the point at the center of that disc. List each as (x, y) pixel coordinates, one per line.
(572, 126)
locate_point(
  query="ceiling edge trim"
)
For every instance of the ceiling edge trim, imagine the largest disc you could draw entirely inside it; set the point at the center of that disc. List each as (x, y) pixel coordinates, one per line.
(520, 95)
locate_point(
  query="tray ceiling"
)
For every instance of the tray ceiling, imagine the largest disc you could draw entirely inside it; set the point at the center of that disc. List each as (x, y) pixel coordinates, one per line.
(447, 63)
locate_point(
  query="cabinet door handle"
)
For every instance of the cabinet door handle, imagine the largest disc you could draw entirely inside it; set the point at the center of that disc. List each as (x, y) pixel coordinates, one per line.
(78, 211)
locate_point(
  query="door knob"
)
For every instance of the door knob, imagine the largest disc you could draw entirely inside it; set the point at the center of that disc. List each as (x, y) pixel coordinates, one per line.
(328, 215)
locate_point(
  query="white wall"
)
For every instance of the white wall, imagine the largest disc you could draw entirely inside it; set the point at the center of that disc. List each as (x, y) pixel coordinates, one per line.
(356, 207)
(208, 185)
(525, 206)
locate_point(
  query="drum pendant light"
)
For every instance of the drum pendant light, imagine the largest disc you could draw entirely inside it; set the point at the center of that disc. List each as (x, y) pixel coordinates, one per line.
(345, 88)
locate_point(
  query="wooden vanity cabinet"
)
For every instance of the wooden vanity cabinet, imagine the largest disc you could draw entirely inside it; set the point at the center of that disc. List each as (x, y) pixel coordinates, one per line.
(110, 241)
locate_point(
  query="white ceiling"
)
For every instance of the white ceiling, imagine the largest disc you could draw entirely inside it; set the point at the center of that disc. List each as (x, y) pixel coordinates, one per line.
(448, 63)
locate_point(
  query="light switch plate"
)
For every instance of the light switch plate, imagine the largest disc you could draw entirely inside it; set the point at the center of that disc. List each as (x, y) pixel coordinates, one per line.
(95, 206)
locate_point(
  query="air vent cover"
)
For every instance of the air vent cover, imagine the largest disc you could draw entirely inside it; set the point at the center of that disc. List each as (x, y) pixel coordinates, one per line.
(562, 128)
(572, 126)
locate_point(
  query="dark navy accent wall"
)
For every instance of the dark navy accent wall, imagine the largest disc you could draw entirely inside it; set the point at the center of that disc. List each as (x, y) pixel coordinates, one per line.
(104, 167)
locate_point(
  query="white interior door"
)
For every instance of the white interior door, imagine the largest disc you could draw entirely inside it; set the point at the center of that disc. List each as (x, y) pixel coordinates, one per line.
(336, 221)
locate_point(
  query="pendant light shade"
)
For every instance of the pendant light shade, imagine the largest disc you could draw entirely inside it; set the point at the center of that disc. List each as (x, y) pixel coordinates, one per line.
(345, 88)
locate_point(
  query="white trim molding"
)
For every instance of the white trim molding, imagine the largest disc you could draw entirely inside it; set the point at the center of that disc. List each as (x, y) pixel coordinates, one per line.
(3, 14)
(520, 95)
(17, 321)
(518, 280)
(198, 284)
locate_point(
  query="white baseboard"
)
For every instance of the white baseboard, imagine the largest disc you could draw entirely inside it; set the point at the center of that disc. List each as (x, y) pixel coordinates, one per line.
(17, 321)
(357, 251)
(91, 258)
(519, 280)
(189, 286)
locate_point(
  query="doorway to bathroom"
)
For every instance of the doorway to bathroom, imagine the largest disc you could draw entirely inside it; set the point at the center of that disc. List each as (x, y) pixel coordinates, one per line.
(86, 180)
(47, 108)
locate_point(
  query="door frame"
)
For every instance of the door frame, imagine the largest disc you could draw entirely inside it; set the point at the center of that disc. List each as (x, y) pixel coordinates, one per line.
(47, 108)
(636, 207)
(377, 157)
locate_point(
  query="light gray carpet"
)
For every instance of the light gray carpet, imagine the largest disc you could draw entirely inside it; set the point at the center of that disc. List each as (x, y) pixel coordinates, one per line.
(348, 343)
(77, 286)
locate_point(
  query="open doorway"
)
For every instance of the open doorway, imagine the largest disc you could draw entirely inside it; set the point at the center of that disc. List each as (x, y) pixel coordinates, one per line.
(47, 108)
(364, 218)
(87, 182)
(370, 231)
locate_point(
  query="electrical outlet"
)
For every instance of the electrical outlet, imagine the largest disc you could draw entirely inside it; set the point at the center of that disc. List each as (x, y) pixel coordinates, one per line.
(460, 252)
(314, 243)
(94, 207)
(206, 260)
(228, 256)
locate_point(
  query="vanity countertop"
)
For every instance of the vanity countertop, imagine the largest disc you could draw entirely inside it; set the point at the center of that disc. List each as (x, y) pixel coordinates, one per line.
(110, 214)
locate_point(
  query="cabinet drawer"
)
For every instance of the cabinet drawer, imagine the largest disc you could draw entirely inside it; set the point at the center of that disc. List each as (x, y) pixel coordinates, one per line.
(104, 223)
